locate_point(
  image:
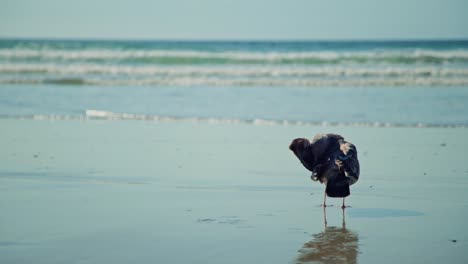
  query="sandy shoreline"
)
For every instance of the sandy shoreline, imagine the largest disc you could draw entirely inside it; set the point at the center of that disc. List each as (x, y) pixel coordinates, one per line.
(175, 192)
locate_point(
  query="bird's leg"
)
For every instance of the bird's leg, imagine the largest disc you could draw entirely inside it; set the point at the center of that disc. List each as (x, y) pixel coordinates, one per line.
(343, 205)
(325, 217)
(324, 200)
(343, 224)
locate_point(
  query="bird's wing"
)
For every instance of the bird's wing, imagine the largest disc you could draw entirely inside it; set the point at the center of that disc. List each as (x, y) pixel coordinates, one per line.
(348, 160)
(306, 159)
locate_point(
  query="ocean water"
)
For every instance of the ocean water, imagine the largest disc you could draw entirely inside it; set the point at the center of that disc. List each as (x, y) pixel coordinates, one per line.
(145, 191)
(382, 83)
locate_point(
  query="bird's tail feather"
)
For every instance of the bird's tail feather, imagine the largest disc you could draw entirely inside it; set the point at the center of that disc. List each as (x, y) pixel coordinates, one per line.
(337, 188)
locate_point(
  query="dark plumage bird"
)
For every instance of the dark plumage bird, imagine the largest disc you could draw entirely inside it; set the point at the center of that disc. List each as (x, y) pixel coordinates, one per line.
(331, 160)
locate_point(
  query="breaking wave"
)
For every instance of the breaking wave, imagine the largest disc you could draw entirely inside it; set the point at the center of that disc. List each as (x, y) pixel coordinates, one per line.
(92, 114)
(234, 64)
(182, 57)
(98, 74)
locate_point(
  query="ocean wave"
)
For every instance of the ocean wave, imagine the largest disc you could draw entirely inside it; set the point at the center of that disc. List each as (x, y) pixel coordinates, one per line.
(245, 81)
(98, 74)
(184, 57)
(250, 71)
(221, 66)
(92, 114)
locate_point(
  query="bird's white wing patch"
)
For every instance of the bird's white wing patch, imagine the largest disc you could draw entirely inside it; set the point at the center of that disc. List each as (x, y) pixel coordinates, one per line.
(349, 161)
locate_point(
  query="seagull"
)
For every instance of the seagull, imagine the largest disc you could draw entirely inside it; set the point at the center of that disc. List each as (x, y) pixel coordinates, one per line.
(332, 161)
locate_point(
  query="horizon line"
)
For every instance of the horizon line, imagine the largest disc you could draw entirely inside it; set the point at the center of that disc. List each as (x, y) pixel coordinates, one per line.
(235, 39)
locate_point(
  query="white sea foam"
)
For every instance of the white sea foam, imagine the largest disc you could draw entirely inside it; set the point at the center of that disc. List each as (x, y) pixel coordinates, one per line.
(230, 70)
(99, 74)
(118, 66)
(109, 54)
(92, 114)
(263, 82)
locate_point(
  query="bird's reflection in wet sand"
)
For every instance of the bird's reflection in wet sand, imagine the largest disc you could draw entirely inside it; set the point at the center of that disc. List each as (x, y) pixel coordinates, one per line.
(333, 245)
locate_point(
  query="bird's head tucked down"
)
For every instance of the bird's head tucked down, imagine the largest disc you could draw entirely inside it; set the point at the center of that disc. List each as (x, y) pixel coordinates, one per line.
(299, 145)
(301, 148)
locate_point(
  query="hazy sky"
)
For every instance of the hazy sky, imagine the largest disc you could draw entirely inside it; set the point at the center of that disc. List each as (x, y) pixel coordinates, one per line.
(235, 19)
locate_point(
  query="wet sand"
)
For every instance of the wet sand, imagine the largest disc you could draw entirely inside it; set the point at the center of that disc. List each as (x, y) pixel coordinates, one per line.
(183, 192)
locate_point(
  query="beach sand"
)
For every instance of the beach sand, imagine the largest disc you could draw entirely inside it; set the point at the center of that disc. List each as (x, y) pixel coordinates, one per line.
(119, 191)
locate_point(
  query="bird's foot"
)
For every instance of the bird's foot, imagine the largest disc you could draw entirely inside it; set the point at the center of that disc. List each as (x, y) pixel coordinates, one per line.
(345, 206)
(326, 205)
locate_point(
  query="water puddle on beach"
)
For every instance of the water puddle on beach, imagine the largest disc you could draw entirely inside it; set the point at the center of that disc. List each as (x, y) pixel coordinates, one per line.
(381, 212)
(228, 220)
